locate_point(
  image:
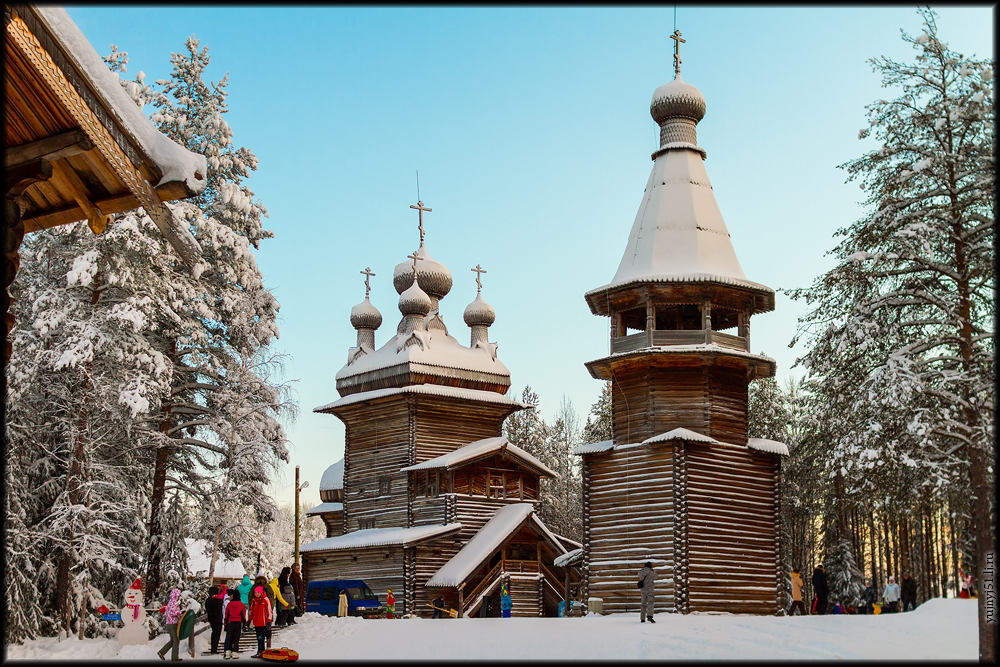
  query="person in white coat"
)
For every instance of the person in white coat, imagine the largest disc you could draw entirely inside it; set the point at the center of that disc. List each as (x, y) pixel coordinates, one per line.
(892, 595)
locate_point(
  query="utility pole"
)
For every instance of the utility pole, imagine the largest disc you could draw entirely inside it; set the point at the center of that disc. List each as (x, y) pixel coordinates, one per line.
(297, 489)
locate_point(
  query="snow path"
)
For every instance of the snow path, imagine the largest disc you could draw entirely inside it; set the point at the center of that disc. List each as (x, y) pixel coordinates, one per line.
(938, 629)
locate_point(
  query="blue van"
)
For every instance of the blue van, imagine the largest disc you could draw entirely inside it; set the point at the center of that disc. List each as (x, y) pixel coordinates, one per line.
(323, 597)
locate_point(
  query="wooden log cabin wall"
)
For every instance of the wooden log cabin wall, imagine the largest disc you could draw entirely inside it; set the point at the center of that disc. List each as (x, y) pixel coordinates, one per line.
(425, 468)
(681, 484)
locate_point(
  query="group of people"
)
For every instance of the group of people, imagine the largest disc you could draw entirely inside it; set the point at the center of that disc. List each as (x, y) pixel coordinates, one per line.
(892, 595)
(258, 604)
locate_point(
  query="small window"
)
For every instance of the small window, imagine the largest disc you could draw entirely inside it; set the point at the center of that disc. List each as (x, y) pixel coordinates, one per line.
(313, 595)
(384, 486)
(432, 484)
(329, 594)
(496, 485)
(366, 523)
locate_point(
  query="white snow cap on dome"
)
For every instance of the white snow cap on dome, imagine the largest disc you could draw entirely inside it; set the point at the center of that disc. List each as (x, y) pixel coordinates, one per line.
(769, 446)
(365, 315)
(680, 434)
(677, 98)
(414, 301)
(479, 312)
(333, 477)
(433, 277)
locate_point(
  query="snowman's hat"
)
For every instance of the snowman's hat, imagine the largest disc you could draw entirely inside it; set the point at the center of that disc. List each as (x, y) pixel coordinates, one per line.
(137, 584)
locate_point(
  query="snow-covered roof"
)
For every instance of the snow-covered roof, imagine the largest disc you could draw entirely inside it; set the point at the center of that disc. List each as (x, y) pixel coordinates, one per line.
(333, 477)
(688, 349)
(595, 447)
(442, 351)
(174, 162)
(504, 522)
(425, 389)
(569, 558)
(680, 434)
(765, 445)
(323, 508)
(377, 537)
(479, 449)
(199, 560)
(679, 233)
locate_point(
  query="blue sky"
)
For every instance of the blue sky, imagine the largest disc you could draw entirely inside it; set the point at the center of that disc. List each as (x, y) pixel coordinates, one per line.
(531, 131)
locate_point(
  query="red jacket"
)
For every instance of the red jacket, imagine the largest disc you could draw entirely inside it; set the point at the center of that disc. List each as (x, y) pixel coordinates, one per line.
(235, 611)
(260, 611)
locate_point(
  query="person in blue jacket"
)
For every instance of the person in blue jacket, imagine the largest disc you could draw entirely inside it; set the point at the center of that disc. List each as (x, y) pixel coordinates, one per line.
(244, 589)
(505, 601)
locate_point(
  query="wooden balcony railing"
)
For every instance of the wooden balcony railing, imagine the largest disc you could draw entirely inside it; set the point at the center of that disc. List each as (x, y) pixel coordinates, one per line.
(657, 338)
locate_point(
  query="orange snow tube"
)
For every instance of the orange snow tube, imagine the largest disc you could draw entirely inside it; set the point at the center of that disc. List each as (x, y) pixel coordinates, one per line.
(282, 654)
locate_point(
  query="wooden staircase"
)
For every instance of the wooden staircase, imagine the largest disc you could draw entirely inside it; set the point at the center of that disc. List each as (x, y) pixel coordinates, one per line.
(248, 641)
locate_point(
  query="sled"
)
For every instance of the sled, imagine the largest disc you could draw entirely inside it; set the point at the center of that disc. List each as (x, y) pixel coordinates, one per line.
(283, 654)
(876, 609)
(185, 624)
(450, 612)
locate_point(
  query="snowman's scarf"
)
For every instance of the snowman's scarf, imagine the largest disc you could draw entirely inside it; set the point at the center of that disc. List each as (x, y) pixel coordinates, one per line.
(135, 610)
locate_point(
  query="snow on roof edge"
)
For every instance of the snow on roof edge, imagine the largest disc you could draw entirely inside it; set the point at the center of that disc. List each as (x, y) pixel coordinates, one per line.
(680, 434)
(504, 522)
(377, 537)
(568, 558)
(174, 162)
(322, 508)
(333, 477)
(427, 389)
(769, 446)
(684, 278)
(594, 447)
(477, 449)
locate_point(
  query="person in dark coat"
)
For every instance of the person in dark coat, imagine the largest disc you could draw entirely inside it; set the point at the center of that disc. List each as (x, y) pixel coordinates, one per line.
(647, 579)
(439, 605)
(300, 591)
(909, 592)
(820, 588)
(869, 596)
(213, 608)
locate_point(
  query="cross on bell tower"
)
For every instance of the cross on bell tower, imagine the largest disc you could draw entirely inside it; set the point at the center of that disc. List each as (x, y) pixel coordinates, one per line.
(368, 274)
(479, 274)
(421, 208)
(677, 52)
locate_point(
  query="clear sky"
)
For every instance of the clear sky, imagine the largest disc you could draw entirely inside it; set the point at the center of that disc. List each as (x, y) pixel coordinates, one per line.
(531, 131)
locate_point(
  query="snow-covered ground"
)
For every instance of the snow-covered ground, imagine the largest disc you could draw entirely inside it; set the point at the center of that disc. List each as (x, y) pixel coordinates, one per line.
(938, 629)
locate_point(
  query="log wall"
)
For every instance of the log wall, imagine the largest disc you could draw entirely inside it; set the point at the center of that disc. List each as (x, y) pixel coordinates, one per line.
(379, 567)
(629, 505)
(732, 533)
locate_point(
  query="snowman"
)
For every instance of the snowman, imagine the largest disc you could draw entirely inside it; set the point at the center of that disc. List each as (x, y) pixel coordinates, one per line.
(134, 630)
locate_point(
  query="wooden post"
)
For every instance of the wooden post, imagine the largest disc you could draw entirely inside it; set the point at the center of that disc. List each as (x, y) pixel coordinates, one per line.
(706, 320)
(296, 515)
(461, 600)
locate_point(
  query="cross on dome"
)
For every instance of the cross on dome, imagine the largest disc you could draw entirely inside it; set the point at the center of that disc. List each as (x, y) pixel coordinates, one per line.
(677, 51)
(368, 274)
(421, 208)
(479, 283)
(414, 257)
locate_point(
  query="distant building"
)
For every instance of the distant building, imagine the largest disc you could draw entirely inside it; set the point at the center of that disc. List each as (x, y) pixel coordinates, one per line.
(199, 554)
(681, 484)
(430, 498)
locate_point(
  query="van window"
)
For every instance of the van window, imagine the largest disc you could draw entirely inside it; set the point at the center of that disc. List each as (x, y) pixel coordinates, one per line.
(362, 593)
(313, 594)
(329, 594)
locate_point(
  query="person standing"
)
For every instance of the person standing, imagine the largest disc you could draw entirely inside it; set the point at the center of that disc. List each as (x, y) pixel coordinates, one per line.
(647, 579)
(505, 603)
(213, 608)
(390, 604)
(342, 604)
(891, 595)
(909, 592)
(278, 602)
(260, 616)
(869, 596)
(235, 615)
(821, 589)
(797, 594)
(300, 599)
(244, 589)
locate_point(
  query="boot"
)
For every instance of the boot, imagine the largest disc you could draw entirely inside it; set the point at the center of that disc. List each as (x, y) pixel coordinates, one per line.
(651, 620)
(225, 655)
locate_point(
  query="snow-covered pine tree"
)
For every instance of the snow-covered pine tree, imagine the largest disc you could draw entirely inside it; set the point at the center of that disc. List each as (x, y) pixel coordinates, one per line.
(236, 313)
(767, 415)
(916, 273)
(845, 580)
(599, 426)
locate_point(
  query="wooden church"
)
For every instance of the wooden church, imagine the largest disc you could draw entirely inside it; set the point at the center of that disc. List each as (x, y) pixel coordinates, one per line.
(681, 484)
(430, 499)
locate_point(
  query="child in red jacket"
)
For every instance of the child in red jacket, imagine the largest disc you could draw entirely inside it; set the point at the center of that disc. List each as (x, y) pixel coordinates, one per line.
(260, 615)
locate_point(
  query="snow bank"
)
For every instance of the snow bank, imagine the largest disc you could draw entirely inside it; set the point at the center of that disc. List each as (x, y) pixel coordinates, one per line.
(937, 630)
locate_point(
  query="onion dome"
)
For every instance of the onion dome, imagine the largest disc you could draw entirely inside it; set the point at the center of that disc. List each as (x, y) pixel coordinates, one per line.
(413, 300)
(677, 98)
(433, 277)
(479, 313)
(365, 316)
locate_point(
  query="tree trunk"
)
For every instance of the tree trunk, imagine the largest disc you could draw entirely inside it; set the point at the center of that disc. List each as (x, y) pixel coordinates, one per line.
(954, 548)
(157, 498)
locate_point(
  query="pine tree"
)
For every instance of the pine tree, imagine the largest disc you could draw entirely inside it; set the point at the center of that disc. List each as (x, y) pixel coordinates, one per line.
(599, 426)
(845, 580)
(913, 292)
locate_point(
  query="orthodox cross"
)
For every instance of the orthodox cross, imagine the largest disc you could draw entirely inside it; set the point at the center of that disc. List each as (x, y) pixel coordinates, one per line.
(421, 208)
(677, 51)
(479, 274)
(368, 274)
(414, 257)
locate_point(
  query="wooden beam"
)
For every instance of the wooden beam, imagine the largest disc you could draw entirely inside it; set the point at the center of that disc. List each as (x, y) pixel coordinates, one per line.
(64, 216)
(97, 220)
(50, 148)
(18, 179)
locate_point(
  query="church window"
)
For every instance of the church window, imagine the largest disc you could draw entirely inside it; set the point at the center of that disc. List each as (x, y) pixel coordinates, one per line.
(366, 523)
(384, 486)
(496, 485)
(432, 484)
